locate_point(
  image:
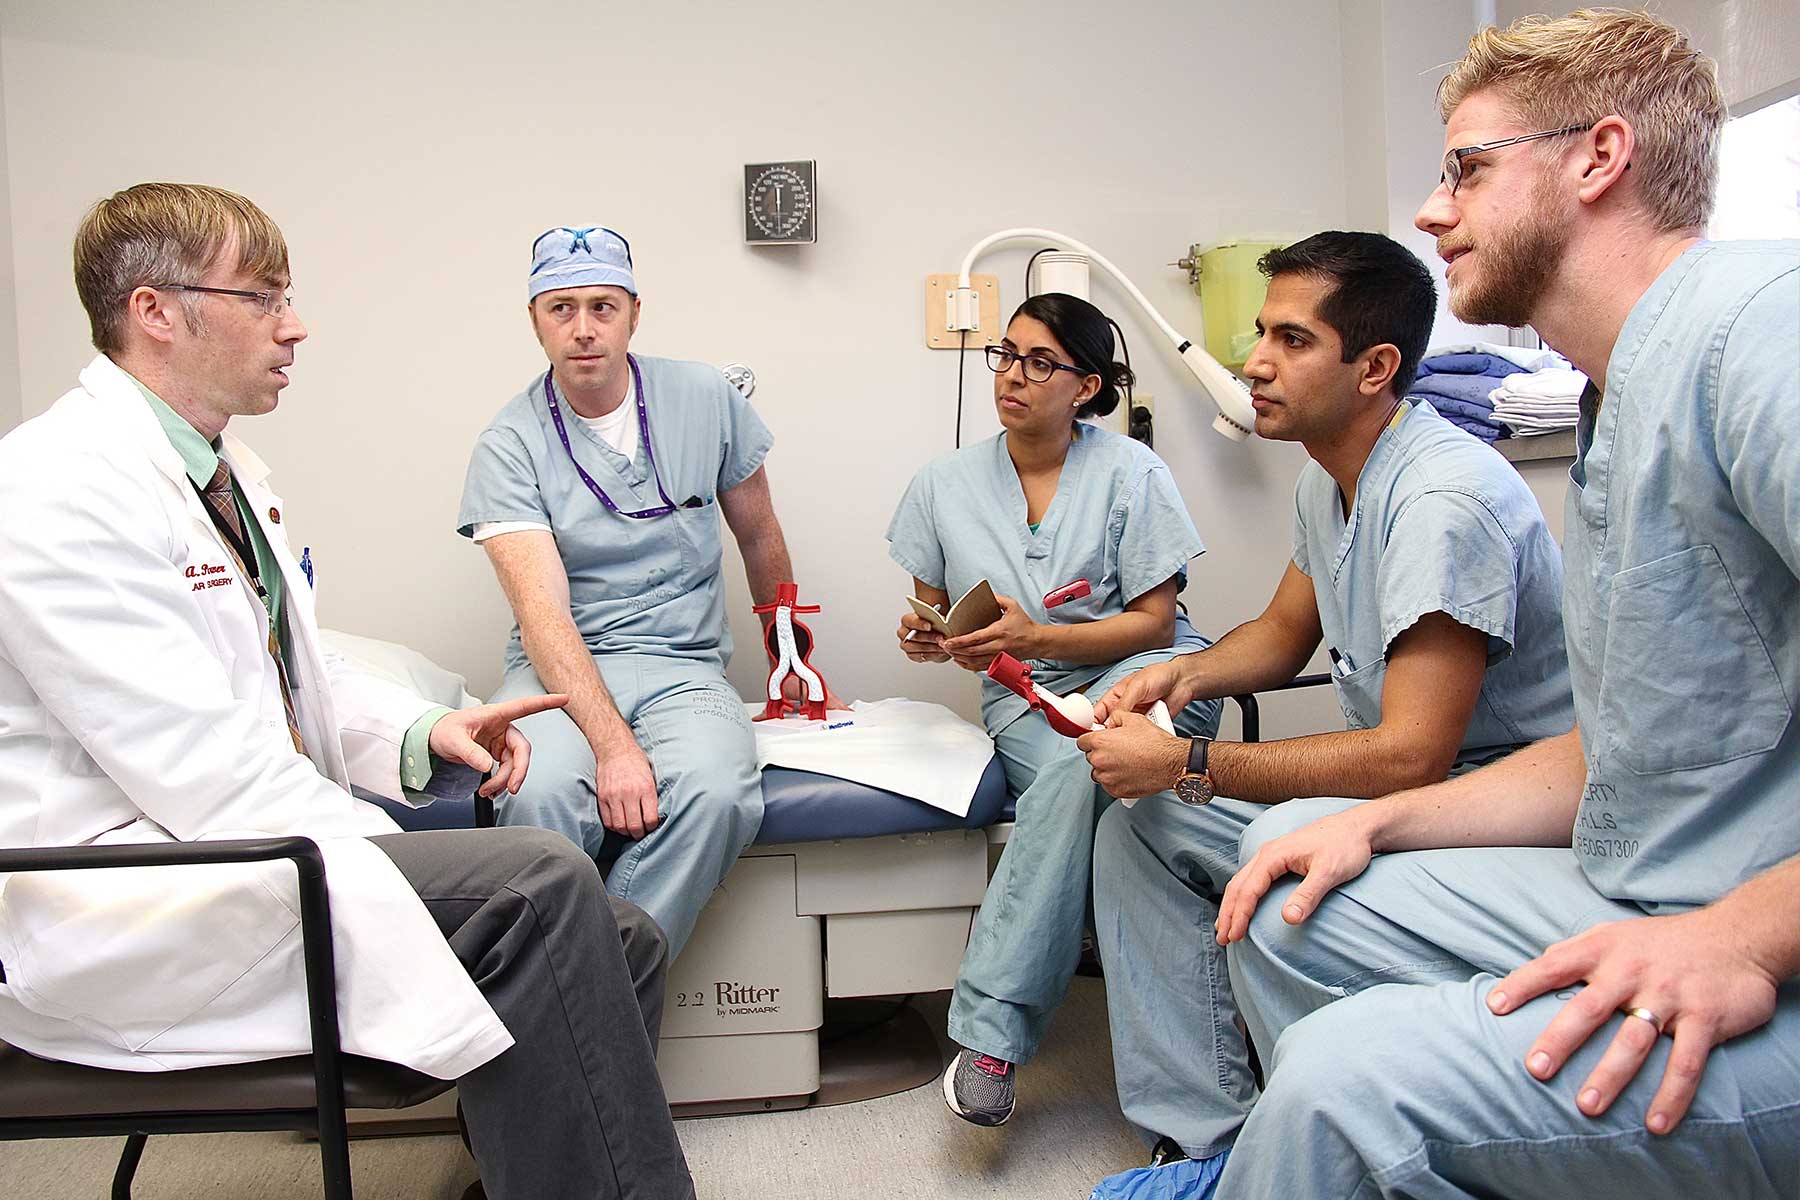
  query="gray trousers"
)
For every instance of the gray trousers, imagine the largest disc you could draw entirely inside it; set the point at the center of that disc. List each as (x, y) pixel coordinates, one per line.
(575, 1107)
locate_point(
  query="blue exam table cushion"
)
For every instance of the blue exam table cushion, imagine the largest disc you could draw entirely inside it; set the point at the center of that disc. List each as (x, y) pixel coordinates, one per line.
(798, 806)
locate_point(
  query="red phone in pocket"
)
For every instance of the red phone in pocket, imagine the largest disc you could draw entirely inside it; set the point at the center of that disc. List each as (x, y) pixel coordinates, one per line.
(1067, 592)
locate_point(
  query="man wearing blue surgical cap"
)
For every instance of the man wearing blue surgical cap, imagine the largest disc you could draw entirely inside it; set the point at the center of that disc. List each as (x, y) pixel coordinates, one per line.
(596, 493)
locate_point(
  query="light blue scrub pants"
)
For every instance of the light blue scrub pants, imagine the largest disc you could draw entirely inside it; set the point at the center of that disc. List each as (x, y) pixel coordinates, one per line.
(1408, 1086)
(1027, 937)
(1179, 1057)
(693, 728)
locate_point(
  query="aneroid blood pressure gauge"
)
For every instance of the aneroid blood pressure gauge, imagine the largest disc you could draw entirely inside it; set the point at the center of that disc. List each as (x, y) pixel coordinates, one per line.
(780, 203)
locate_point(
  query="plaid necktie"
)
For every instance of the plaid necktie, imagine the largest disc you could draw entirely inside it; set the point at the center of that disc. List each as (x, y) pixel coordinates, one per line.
(223, 504)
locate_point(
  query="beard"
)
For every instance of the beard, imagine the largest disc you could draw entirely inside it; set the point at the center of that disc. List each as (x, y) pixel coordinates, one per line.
(1519, 263)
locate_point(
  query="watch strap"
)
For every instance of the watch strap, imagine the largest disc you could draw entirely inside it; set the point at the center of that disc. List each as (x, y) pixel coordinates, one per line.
(1197, 752)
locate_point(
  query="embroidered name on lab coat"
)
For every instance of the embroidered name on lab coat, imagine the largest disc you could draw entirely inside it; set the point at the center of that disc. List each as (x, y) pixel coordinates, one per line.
(206, 575)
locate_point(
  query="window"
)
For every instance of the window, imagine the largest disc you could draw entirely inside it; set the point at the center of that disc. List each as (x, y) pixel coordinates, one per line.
(1759, 175)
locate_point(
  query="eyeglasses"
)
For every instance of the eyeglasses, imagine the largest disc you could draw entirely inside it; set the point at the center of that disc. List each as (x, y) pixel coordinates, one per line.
(273, 303)
(578, 240)
(1453, 161)
(1038, 369)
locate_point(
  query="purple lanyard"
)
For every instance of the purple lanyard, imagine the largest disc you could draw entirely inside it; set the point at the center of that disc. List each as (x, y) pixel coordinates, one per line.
(662, 510)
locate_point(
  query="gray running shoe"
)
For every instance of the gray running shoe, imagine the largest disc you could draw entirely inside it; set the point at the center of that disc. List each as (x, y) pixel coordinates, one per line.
(979, 1088)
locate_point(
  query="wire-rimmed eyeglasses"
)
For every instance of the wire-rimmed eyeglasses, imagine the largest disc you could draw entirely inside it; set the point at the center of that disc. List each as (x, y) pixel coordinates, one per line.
(273, 303)
(1453, 161)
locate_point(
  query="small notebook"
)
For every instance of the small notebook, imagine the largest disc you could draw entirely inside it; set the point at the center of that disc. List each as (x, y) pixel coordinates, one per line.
(975, 609)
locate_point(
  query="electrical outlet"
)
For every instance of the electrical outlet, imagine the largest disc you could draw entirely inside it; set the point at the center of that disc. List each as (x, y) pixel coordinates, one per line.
(1140, 418)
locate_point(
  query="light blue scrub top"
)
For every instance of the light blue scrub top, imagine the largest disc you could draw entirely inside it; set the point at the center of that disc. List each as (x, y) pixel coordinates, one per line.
(1441, 523)
(648, 586)
(1116, 520)
(1683, 603)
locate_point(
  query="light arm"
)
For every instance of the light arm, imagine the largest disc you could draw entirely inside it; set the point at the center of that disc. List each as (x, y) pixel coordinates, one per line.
(1236, 418)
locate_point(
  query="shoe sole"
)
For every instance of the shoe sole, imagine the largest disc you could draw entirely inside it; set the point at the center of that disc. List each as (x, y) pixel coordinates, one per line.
(973, 1117)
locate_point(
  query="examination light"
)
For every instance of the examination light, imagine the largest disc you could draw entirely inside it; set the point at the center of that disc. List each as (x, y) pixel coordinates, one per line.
(1228, 394)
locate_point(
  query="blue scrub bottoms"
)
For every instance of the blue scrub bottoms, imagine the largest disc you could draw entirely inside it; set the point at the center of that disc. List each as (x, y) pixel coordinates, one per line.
(1179, 1054)
(694, 729)
(1390, 1077)
(1027, 937)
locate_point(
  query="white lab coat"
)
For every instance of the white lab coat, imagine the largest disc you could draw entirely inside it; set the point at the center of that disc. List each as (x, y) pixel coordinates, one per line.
(138, 703)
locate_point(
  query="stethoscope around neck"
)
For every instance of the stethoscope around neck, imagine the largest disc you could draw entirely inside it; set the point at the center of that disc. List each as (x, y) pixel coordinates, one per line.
(637, 382)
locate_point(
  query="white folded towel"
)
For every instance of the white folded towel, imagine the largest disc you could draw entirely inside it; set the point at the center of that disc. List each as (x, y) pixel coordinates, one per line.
(1551, 383)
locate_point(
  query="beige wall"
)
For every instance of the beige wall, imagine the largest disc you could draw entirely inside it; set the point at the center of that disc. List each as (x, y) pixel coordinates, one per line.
(412, 152)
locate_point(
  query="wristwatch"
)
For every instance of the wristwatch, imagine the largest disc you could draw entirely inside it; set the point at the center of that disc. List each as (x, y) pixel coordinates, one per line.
(1195, 786)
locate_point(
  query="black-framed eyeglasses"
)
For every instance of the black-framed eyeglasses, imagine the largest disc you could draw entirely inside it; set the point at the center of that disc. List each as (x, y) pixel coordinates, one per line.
(1453, 161)
(1037, 368)
(273, 303)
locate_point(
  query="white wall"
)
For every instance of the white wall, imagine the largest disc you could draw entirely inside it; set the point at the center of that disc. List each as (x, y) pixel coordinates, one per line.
(1395, 52)
(412, 152)
(1419, 41)
(10, 408)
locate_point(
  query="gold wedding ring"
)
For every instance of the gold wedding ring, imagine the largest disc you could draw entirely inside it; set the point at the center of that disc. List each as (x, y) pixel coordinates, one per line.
(1644, 1014)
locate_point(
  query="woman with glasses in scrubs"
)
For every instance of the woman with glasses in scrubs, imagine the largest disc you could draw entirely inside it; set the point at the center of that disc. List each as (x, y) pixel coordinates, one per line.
(1048, 505)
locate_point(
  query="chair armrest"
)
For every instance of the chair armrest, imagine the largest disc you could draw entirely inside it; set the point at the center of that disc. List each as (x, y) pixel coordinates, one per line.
(302, 850)
(1252, 715)
(315, 921)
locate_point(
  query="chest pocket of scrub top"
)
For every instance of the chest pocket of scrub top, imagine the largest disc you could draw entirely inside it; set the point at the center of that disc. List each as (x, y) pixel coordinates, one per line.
(699, 537)
(1686, 681)
(1359, 694)
(1104, 598)
(608, 557)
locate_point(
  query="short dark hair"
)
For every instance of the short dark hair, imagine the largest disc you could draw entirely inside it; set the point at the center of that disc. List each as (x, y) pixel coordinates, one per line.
(1087, 334)
(1384, 294)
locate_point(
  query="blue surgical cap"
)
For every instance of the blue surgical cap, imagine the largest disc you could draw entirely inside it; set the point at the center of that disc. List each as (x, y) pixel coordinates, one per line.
(572, 256)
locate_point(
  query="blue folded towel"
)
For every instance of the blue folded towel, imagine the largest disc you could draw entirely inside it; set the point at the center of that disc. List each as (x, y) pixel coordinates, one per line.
(1486, 433)
(1469, 364)
(1470, 389)
(1454, 408)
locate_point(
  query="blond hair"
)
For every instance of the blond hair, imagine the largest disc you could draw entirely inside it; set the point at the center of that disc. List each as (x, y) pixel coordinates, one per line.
(1599, 62)
(160, 233)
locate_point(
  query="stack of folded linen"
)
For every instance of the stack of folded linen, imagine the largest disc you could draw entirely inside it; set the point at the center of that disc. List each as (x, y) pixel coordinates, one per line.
(1458, 385)
(1540, 401)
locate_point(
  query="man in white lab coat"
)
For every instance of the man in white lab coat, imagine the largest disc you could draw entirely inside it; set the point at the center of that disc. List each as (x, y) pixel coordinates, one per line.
(162, 678)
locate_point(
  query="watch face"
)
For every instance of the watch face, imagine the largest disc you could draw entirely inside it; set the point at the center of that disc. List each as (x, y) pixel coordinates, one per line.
(1194, 789)
(779, 202)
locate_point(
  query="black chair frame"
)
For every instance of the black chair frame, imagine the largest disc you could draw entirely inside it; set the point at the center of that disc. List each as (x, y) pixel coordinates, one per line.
(325, 1119)
(1252, 713)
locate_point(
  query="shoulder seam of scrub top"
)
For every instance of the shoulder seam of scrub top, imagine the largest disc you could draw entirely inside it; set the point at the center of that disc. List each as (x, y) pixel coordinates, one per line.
(913, 569)
(1715, 366)
(1452, 489)
(756, 459)
(502, 432)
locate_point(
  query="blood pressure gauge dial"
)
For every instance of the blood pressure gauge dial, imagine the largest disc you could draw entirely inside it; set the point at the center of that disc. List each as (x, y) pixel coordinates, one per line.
(780, 203)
